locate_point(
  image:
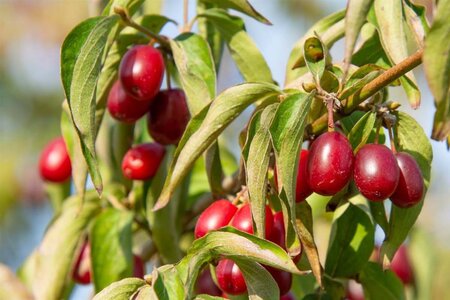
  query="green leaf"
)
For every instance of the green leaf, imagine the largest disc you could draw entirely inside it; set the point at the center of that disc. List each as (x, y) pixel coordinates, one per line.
(207, 297)
(363, 131)
(257, 164)
(195, 65)
(436, 60)
(379, 284)
(351, 241)
(359, 79)
(111, 244)
(260, 284)
(242, 6)
(287, 136)
(243, 49)
(389, 16)
(11, 287)
(410, 138)
(120, 290)
(330, 28)
(167, 284)
(56, 254)
(130, 5)
(81, 63)
(355, 18)
(315, 54)
(204, 129)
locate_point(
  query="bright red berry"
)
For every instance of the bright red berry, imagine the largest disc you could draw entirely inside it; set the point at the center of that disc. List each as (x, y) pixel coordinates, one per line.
(141, 72)
(123, 107)
(168, 116)
(205, 284)
(278, 235)
(217, 215)
(410, 186)
(330, 163)
(243, 220)
(288, 296)
(376, 172)
(401, 265)
(82, 270)
(138, 267)
(142, 161)
(282, 278)
(230, 278)
(54, 164)
(302, 190)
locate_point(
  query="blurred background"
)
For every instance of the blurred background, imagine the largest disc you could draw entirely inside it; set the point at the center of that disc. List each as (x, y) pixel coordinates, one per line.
(31, 33)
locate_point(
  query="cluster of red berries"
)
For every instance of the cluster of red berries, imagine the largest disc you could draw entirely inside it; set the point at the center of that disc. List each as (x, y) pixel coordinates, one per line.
(229, 277)
(377, 172)
(82, 271)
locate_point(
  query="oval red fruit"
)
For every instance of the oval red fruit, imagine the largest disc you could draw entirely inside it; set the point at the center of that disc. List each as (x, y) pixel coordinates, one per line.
(217, 215)
(205, 284)
(54, 163)
(82, 270)
(243, 220)
(230, 278)
(142, 161)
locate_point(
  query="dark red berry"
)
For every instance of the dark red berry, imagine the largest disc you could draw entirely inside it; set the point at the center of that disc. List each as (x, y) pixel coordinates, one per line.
(82, 270)
(205, 284)
(410, 185)
(278, 231)
(168, 116)
(401, 265)
(217, 215)
(141, 72)
(123, 107)
(54, 164)
(330, 163)
(376, 172)
(138, 267)
(302, 190)
(288, 296)
(230, 278)
(243, 220)
(282, 278)
(142, 162)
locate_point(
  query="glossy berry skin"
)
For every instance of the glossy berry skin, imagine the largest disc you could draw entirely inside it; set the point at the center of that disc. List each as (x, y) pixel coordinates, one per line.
(278, 235)
(282, 278)
(123, 107)
(141, 72)
(230, 278)
(142, 161)
(82, 270)
(168, 116)
(410, 186)
(401, 265)
(216, 216)
(243, 220)
(54, 163)
(302, 190)
(205, 284)
(376, 172)
(138, 267)
(330, 163)
(288, 296)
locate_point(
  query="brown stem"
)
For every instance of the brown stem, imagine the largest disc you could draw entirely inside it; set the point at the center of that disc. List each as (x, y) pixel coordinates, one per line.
(330, 117)
(185, 14)
(371, 88)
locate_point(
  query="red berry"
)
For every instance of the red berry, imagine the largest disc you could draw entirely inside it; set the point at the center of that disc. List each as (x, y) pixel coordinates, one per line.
(288, 296)
(302, 190)
(410, 185)
(205, 284)
(376, 172)
(355, 291)
(138, 267)
(168, 117)
(278, 235)
(230, 278)
(123, 107)
(217, 215)
(54, 164)
(401, 265)
(330, 163)
(282, 278)
(82, 270)
(243, 220)
(142, 162)
(141, 72)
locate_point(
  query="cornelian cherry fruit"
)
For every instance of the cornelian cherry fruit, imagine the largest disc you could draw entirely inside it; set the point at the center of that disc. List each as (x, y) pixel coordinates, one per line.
(217, 215)
(205, 284)
(243, 220)
(230, 278)
(142, 161)
(54, 163)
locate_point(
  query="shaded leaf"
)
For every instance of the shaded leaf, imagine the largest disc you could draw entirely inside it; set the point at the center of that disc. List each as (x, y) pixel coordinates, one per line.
(167, 284)
(110, 239)
(120, 290)
(381, 285)
(436, 60)
(240, 5)
(204, 129)
(243, 49)
(315, 57)
(362, 131)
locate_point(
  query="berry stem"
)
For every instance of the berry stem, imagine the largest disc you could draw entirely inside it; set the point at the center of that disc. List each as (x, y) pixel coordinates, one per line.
(391, 136)
(129, 22)
(185, 15)
(330, 104)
